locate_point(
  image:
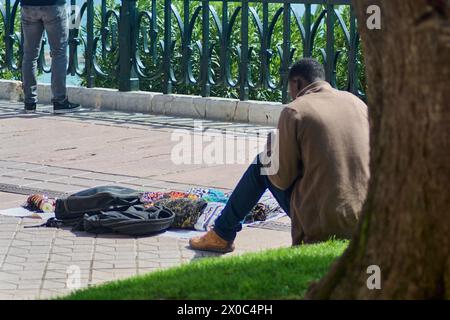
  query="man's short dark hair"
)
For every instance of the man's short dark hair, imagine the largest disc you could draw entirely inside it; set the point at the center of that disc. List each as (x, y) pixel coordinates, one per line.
(309, 69)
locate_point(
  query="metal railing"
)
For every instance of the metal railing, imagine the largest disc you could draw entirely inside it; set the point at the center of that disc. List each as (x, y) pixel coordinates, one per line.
(199, 46)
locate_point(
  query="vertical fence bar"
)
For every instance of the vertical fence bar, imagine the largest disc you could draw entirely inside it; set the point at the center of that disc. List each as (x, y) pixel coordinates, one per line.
(352, 68)
(264, 47)
(73, 33)
(185, 41)
(103, 28)
(224, 43)
(244, 71)
(8, 35)
(89, 55)
(286, 51)
(307, 50)
(205, 61)
(134, 34)
(167, 87)
(153, 31)
(329, 68)
(128, 79)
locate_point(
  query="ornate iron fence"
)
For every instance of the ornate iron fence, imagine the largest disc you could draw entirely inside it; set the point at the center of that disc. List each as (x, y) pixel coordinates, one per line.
(199, 46)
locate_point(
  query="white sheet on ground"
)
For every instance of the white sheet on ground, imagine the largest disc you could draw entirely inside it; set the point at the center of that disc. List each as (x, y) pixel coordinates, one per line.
(186, 234)
(25, 213)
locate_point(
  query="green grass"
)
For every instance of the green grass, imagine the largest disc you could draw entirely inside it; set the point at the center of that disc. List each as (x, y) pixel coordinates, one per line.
(274, 274)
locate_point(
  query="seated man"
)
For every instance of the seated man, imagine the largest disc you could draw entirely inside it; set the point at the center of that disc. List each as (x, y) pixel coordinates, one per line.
(322, 152)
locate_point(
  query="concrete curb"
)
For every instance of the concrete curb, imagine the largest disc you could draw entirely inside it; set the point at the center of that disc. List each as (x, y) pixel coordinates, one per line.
(230, 110)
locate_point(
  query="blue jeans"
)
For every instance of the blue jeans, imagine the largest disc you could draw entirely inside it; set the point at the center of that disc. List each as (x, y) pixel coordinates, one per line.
(244, 197)
(35, 20)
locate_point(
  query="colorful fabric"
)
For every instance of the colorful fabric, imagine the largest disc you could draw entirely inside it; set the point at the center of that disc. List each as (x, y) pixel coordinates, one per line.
(258, 213)
(198, 208)
(41, 203)
(206, 220)
(186, 210)
(151, 197)
(179, 195)
(209, 195)
(272, 206)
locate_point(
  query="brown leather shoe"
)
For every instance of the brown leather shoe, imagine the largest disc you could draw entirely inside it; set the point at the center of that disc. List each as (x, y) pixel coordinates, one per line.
(211, 241)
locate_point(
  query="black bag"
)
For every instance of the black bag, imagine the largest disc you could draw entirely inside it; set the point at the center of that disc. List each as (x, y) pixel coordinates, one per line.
(93, 201)
(134, 221)
(110, 209)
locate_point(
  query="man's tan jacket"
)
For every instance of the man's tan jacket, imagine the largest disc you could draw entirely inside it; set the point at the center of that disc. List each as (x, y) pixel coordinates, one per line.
(323, 151)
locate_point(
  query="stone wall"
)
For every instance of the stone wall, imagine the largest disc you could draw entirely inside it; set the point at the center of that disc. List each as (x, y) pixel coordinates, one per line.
(256, 112)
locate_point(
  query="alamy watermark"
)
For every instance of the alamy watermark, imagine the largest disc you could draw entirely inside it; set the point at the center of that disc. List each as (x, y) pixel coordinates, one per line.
(374, 280)
(374, 20)
(73, 277)
(209, 147)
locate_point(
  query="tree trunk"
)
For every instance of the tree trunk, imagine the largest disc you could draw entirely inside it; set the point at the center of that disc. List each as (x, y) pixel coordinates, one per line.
(405, 223)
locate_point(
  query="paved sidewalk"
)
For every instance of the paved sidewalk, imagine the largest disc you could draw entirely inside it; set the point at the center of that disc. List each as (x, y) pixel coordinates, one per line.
(59, 155)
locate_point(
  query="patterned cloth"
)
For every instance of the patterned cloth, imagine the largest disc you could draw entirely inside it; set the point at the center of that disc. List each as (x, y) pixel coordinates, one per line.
(198, 208)
(267, 208)
(180, 195)
(149, 198)
(258, 213)
(272, 206)
(186, 210)
(209, 195)
(206, 220)
(40, 203)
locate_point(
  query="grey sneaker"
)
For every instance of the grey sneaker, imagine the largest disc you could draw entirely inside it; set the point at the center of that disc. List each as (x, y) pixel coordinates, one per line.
(65, 107)
(29, 108)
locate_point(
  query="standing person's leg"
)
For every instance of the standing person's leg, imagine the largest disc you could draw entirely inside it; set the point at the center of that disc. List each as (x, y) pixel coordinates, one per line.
(33, 31)
(56, 25)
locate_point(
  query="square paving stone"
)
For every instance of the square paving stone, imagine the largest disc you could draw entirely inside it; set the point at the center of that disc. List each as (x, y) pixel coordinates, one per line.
(107, 177)
(60, 258)
(30, 284)
(69, 172)
(52, 293)
(39, 249)
(12, 267)
(60, 249)
(7, 286)
(41, 257)
(13, 259)
(52, 186)
(6, 296)
(148, 255)
(25, 295)
(81, 257)
(148, 264)
(55, 284)
(79, 182)
(32, 275)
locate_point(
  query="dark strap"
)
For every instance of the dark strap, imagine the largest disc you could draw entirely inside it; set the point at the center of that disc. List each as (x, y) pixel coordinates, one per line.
(50, 223)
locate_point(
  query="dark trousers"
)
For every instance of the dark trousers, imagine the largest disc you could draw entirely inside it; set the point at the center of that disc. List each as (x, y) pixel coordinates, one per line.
(244, 197)
(36, 19)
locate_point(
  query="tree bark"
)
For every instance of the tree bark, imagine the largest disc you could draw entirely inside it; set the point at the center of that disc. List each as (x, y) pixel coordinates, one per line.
(405, 223)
